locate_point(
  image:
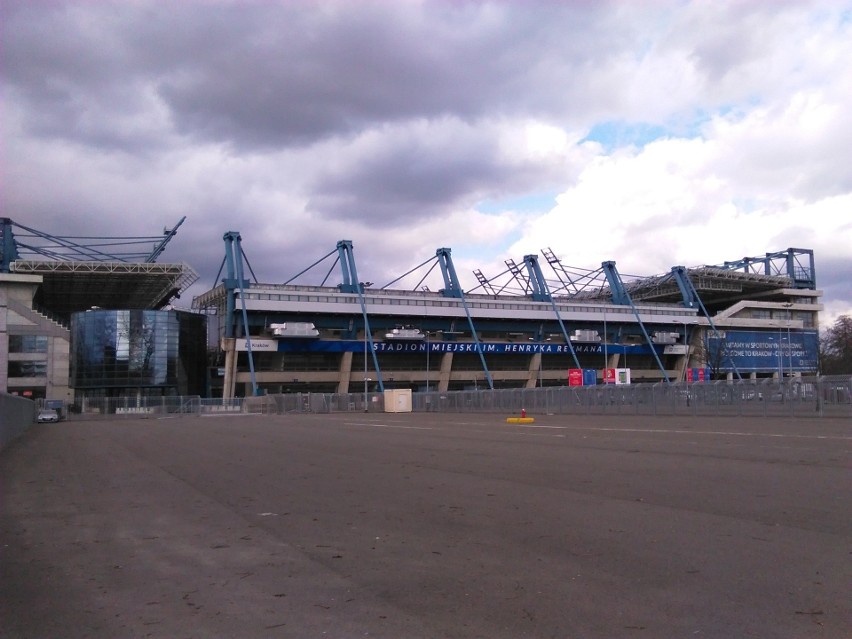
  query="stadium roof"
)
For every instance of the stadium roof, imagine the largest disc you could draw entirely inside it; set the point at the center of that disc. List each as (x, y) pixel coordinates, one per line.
(68, 287)
(712, 284)
(80, 273)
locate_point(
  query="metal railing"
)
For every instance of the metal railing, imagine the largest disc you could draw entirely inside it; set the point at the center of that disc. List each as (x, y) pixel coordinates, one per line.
(811, 396)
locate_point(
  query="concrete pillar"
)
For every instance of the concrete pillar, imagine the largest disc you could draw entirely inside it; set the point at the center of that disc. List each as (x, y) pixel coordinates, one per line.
(58, 380)
(344, 372)
(446, 369)
(532, 373)
(683, 365)
(229, 345)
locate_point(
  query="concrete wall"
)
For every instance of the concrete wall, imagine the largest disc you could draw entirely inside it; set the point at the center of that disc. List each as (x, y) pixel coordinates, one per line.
(17, 317)
(16, 415)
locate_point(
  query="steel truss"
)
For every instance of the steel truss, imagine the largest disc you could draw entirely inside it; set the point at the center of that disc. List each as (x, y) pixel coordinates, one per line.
(17, 241)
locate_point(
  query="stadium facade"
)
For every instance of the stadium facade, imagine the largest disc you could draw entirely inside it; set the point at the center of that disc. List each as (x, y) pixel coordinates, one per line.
(84, 321)
(755, 317)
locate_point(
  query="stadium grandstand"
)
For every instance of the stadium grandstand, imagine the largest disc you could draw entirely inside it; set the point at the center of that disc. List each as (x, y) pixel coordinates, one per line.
(752, 317)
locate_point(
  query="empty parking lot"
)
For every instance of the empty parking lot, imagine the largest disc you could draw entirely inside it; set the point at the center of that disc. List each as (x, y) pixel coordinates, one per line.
(428, 525)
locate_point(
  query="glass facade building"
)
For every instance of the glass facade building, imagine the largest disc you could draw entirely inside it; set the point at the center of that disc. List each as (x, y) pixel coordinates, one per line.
(130, 352)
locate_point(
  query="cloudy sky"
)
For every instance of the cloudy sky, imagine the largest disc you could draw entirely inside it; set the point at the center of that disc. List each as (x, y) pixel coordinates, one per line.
(653, 133)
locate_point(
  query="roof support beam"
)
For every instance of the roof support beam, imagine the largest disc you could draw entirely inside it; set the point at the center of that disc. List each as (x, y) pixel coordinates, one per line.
(616, 286)
(162, 245)
(541, 290)
(234, 280)
(619, 291)
(452, 288)
(682, 276)
(351, 284)
(8, 248)
(346, 256)
(687, 291)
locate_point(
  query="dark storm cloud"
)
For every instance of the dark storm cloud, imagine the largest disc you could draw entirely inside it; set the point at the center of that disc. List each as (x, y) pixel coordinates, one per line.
(267, 75)
(291, 76)
(834, 277)
(415, 175)
(72, 76)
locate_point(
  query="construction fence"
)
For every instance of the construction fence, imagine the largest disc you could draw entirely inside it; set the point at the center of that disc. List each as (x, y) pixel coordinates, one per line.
(798, 396)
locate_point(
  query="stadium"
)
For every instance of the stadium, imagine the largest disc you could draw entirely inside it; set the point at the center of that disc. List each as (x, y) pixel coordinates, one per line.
(93, 317)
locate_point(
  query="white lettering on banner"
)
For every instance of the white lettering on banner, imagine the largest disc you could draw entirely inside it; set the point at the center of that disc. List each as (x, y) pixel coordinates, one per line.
(269, 345)
(761, 351)
(594, 348)
(490, 347)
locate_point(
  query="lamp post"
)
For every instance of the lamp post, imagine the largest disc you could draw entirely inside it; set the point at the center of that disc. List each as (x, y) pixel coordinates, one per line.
(606, 358)
(687, 348)
(787, 305)
(366, 379)
(427, 361)
(789, 353)
(363, 286)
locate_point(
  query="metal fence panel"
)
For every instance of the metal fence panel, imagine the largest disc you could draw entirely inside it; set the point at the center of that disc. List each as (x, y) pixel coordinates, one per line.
(821, 396)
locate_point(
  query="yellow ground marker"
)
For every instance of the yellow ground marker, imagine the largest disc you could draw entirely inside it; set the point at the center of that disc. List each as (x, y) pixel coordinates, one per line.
(520, 420)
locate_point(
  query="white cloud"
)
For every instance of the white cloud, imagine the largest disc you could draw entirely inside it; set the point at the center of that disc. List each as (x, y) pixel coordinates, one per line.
(766, 180)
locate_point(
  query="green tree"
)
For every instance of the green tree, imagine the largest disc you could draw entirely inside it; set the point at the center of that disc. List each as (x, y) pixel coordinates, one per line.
(836, 347)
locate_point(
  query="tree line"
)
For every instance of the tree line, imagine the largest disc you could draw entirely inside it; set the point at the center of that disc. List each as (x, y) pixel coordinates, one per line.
(835, 346)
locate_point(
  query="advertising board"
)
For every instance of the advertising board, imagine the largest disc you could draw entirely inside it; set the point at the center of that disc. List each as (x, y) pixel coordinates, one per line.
(763, 351)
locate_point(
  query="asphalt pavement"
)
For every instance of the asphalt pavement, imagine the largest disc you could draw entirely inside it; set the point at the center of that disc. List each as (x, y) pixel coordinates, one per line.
(428, 526)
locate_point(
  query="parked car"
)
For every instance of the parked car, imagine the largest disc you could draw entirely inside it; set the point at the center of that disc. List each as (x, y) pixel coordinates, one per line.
(48, 415)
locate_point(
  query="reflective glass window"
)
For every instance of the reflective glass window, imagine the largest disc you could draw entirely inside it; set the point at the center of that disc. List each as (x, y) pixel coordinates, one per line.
(27, 343)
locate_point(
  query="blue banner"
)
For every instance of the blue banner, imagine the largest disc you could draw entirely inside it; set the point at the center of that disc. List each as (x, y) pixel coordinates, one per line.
(764, 351)
(488, 348)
